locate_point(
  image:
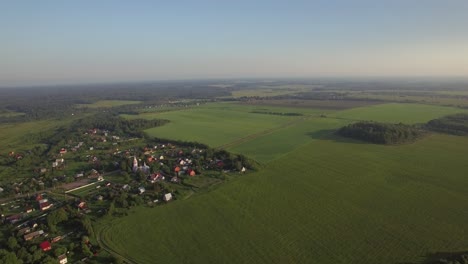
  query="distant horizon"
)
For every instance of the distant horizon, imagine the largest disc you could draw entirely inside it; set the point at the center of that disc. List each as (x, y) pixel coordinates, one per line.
(419, 79)
(55, 42)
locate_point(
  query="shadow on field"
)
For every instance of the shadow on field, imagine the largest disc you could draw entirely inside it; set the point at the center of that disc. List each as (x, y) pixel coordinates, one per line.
(330, 134)
(442, 257)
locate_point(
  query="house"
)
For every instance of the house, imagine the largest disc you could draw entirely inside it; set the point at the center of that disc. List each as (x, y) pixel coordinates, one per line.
(154, 177)
(1, 189)
(191, 172)
(45, 246)
(167, 197)
(45, 205)
(62, 259)
(79, 175)
(100, 197)
(141, 190)
(56, 239)
(43, 170)
(14, 218)
(126, 187)
(63, 151)
(32, 235)
(81, 205)
(243, 169)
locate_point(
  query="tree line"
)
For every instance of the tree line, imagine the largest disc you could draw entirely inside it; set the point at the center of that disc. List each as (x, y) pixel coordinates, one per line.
(381, 133)
(456, 124)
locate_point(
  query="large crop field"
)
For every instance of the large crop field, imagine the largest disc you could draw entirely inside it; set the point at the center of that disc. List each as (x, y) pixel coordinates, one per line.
(219, 124)
(318, 198)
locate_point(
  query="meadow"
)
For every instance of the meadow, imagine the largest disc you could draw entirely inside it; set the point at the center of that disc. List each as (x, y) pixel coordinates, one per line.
(319, 198)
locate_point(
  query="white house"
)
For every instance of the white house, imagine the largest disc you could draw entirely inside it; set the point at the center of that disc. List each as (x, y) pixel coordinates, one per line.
(167, 197)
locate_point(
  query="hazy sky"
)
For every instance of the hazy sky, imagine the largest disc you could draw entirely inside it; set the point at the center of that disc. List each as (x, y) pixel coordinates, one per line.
(82, 41)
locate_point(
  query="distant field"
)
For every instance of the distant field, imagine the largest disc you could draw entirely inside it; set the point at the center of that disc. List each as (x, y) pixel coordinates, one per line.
(317, 104)
(217, 124)
(266, 91)
(109, 103)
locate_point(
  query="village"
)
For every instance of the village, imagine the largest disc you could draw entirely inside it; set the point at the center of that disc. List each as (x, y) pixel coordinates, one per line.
(94, 174)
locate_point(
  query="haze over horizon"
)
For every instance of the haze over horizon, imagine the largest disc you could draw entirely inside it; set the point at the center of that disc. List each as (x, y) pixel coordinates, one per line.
(51, 42)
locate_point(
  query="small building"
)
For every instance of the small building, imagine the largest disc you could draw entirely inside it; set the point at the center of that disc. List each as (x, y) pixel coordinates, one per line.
(141, 190)
(167, 197)
(63, 259)
(45, 246)
(63, 151)
(1, 189)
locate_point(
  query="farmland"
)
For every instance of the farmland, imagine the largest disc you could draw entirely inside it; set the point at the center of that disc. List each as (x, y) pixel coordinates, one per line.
(216, 124)
(320, 198)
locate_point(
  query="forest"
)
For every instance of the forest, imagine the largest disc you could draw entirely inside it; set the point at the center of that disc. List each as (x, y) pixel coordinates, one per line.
(381, 133)
(453, 124)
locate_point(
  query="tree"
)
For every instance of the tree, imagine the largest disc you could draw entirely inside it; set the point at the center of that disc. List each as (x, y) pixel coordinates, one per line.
(9, 258)
(12, 243)
(59, 251)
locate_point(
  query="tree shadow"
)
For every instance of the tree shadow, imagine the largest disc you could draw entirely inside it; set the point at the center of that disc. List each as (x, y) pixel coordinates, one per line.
(331, 135)
(441, 258)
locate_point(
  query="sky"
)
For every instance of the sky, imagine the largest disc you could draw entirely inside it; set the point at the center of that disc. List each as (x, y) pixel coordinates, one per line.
(89, 41)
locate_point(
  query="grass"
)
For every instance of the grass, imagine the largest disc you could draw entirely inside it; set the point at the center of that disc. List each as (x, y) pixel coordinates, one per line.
(109, 103)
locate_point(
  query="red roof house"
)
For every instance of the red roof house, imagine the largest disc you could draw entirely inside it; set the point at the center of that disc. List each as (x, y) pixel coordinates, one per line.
(45, 246)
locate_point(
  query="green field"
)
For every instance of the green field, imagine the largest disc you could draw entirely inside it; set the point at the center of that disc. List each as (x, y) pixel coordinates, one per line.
(15, 137)
(109, 103)
(218, 124)
(318, 199)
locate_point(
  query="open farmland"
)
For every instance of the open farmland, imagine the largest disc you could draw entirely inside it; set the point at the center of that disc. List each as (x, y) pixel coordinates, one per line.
(319, 199)
(218, 124)
(326, 202)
